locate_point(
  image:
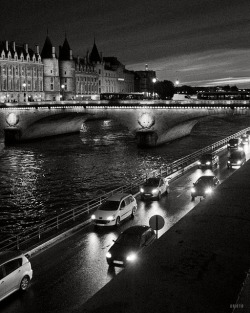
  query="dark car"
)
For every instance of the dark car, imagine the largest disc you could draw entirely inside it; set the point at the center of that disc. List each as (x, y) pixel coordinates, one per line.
(208, 160)
(204, 186)
(236, 158)
(245, 139)
(126, 248)
(235, 144)
(154, 187)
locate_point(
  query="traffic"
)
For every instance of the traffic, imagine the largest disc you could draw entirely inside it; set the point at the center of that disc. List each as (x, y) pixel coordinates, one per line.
(118, 236)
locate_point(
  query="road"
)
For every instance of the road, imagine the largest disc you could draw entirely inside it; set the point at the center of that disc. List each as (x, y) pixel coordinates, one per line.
(73, 270)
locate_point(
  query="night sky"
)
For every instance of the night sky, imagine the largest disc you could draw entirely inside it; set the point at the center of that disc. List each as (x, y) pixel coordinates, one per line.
(199, 42)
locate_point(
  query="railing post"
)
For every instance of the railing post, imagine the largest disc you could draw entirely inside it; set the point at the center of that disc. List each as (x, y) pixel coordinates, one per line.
(39, 232)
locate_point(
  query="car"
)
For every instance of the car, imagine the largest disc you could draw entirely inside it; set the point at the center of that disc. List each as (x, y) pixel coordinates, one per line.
(129, 244)
(115, 209)
(15, 272)
(235, 144)
(236, 158)
(208, 160)
(245, 139)
(154, 187)
(204, 186)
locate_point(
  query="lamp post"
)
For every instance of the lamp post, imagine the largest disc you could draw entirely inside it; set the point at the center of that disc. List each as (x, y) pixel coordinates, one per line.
(62, 87)
(154, 81)
(24, 94)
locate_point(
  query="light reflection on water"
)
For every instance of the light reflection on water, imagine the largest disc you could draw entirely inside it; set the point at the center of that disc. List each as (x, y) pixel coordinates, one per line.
(42, 178)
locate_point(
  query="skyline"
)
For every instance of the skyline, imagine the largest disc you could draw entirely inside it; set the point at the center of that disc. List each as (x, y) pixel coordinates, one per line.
(198, 42)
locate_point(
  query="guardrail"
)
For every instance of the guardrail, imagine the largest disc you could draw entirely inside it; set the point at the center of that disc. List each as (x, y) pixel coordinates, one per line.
(70, 218)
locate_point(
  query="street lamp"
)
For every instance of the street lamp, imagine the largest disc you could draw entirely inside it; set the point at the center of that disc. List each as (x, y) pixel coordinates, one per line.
(62, 87)
(154, 81)
(24, 94)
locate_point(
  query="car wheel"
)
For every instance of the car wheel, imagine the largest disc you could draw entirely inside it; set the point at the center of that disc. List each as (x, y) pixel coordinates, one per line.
(133, 213)
(159, 195)
(192, 198)
(24, 283)
(117, 222)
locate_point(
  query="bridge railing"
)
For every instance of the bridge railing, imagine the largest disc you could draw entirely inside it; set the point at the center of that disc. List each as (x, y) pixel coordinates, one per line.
(52, 227)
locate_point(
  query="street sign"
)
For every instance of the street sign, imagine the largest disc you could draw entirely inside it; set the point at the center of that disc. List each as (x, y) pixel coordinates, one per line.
(156, 222)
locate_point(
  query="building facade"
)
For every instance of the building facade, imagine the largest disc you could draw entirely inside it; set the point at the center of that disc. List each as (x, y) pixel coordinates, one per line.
(27, 75)
(21, 73)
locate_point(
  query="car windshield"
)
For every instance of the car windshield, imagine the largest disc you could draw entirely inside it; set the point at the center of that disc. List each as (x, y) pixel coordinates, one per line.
(204, 180)
(205, 157)
(236, 155)
(233, 141)
(152, 182)
(109, 205)
(129, 240)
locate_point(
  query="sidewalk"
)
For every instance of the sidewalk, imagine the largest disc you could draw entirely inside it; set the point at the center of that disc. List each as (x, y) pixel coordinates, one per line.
(198, 266)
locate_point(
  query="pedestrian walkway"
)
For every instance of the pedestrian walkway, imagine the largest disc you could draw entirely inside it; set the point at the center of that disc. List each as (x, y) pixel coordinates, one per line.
(198, 266)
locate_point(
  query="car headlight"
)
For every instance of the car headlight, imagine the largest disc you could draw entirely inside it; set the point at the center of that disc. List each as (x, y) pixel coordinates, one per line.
(238, 162)
(208, 163)
(240, 148)
(141, 190)
(199, 163)
(108, 255)
(155, 190)
(208, 190)
(110, 218)
(93, 217)
(193, 190)
(131, 257)
(228, 161)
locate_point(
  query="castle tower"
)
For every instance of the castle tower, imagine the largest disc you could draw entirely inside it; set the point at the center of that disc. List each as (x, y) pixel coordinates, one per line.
(96, 60)
(51, 71)
(66, 71)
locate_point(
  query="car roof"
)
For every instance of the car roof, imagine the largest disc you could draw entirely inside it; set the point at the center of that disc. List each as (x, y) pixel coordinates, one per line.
(136, 230)
(207, 177)
(118, 196)
(234, 139)
(207, 155)
(8, 255)
(237, 153)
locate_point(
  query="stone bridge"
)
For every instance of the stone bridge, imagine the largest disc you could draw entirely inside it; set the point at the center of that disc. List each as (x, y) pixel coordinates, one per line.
(152, 122)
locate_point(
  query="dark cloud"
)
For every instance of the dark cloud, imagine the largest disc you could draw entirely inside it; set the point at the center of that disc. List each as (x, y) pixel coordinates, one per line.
(137, 32)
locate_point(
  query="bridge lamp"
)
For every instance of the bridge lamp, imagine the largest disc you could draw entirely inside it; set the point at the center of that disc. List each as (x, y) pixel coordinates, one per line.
(24, 94)
(154, 81)
(62, 87)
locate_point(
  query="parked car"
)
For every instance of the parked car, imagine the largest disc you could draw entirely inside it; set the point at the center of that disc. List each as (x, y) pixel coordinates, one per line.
(129, 244)
(208, 160)
(235, 144)
(204, 186)
(154, 187)
(236, 158)
(15, 272)
(245, 139)
(115, 209)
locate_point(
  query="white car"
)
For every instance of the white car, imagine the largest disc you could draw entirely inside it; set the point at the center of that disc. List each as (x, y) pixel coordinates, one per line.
(154, 187)
(15, 273)
(115, 209)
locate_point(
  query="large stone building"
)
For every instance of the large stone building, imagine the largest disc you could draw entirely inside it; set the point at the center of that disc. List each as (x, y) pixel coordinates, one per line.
(25, 75)
(21, 73)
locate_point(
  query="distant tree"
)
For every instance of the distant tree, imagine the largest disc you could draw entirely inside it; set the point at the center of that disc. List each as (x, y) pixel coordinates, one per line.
(234, 88)
(165, 89)
(186, 89)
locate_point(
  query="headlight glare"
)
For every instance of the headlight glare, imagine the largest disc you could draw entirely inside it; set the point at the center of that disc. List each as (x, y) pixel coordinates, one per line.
(208, 190)
(155, 190)
(93, 217)
(110, 218)
(131, 257)
(141, 190)
(193, 190)
(108, 255)
(208, 163)
(238, 162)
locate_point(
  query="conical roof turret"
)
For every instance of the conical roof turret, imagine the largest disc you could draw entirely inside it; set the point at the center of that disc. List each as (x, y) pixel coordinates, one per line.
(94, 56)
(65, 51)
(47, 49)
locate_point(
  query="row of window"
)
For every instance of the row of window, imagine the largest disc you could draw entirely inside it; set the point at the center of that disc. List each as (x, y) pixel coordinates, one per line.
(19, 85)
(22, 59)
(23, 71)
(91, 79)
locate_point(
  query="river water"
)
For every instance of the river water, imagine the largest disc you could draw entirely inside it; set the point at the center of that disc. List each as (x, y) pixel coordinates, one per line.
(41, 178)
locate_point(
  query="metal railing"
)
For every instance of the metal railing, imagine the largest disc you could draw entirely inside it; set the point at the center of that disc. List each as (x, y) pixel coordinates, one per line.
(70, 218)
